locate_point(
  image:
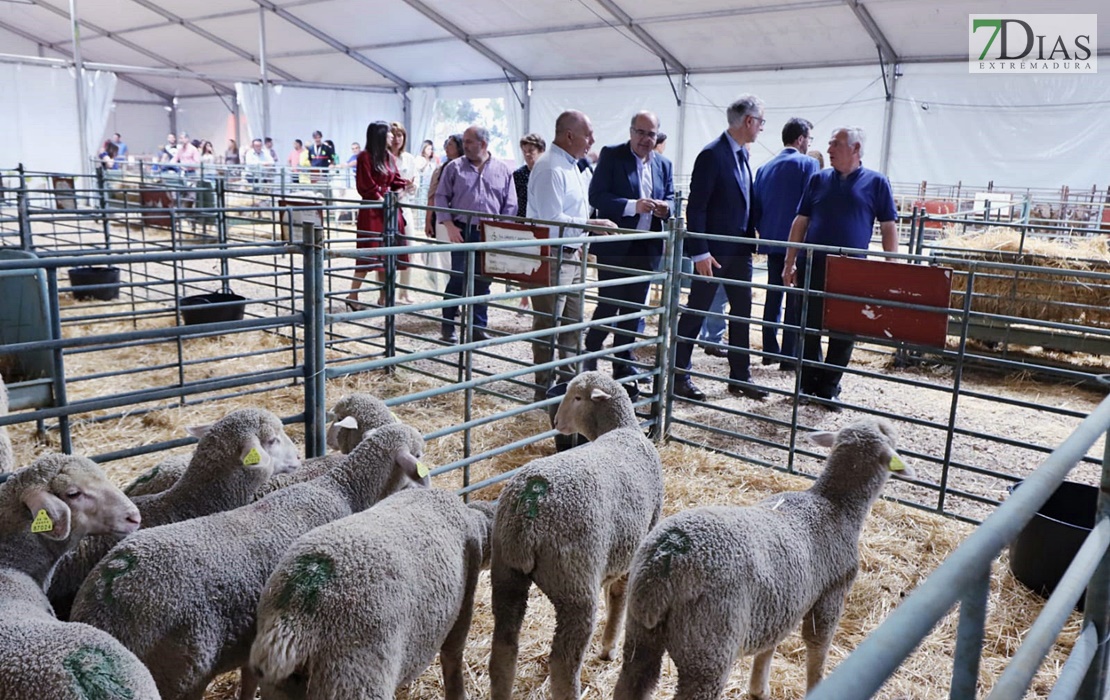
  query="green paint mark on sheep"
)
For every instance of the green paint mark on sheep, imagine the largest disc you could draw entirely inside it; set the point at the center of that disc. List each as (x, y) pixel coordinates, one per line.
(674, 541)
(311, 572)
(142, 480)
(114, 568)
(529, 502)
(96, 675)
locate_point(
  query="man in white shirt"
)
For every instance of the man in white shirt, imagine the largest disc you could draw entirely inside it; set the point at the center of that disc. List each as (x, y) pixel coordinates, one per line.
(257, 160)
(557, 191)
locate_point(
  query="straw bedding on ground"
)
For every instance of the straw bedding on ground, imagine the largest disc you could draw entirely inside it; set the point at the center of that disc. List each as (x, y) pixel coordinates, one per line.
(900, 545)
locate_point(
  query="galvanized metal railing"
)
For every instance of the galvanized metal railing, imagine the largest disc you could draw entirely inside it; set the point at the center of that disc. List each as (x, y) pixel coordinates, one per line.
(964, 579)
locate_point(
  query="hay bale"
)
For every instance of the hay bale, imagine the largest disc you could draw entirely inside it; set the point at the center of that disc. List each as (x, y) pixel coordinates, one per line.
(1048, 295)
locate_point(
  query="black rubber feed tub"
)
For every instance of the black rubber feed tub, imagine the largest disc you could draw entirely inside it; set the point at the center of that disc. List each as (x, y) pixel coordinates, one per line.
(1044, 549)
(215, 307)
(101, 283)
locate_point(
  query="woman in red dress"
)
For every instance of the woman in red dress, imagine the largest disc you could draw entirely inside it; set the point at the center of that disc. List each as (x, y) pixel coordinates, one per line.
(376, 173)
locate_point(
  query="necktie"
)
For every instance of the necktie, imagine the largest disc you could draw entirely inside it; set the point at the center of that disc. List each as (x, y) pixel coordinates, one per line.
(745, 178)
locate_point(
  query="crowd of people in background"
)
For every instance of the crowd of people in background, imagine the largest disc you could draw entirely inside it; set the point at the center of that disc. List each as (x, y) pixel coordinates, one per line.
(627, 185)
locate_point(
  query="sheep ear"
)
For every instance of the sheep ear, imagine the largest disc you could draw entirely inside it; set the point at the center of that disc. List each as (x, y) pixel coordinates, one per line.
(412, 466)
(599, 395)
(198, 431)
(251, 454)
(823, 438)
(51, 514)
(349, 422)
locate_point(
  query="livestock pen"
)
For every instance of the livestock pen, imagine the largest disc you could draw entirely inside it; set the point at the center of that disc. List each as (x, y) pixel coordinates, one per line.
(129, 374)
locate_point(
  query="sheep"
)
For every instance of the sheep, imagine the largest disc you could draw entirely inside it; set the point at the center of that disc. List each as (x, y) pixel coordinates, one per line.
(47, 507)
(710, 583)
(183, 597)
(44, 511)
(234, 457)
(359, 607)
(570, 523)
(7, 456)
(348, 421)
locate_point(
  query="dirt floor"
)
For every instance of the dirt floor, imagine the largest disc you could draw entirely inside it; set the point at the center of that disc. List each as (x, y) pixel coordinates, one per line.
(900, 545)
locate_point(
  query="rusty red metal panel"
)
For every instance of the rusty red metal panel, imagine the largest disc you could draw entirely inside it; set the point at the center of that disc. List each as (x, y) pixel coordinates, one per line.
(888, 281)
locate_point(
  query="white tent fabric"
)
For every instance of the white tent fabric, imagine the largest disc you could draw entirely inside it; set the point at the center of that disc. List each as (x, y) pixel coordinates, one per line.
(422, 110)
(249, 96)
(39, 111)
(341, 115)
(208, 119)
(1017, 130)
(100, 90)
(828, 97)
(609, 104)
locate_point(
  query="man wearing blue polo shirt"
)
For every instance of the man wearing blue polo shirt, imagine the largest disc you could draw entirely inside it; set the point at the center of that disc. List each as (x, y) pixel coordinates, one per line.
(838, 208)
(778, 188)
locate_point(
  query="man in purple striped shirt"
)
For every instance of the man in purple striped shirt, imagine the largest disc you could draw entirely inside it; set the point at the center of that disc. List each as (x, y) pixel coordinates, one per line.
(476, 183)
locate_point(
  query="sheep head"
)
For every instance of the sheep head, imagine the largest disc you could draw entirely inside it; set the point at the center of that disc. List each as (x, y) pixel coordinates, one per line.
(594, 404)
(68, 497)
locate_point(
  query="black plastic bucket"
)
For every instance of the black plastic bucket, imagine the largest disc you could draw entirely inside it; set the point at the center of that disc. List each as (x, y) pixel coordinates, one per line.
(1045, 547)
(101, 283)
(215, 307)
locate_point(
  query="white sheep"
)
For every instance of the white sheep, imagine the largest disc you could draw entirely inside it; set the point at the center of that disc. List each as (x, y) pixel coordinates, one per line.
(7, 456)
(359, 607)
(570, 523)
(352, 416)
(47, 507)
(712, 583)
(236, 455)
(44, 510)
(183, 597)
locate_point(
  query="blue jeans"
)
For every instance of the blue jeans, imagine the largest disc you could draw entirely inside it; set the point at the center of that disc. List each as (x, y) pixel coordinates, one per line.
(772, 310)
(713, 330)
(456, 283)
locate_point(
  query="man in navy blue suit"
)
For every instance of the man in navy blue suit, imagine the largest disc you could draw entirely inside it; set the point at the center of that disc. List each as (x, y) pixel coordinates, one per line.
(633, 186)
(778, 189)
(720, 203)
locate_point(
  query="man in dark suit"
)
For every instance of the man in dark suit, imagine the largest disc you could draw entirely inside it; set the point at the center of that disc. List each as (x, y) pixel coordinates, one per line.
(720, 203)
(633, 186)
(778, 188)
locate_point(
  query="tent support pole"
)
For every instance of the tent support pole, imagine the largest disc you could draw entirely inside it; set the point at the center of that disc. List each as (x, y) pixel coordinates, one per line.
(888, 120)
(265, 73)
(82, 108)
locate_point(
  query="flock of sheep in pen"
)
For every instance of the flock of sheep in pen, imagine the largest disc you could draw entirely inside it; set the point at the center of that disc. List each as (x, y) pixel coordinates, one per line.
(343, 576)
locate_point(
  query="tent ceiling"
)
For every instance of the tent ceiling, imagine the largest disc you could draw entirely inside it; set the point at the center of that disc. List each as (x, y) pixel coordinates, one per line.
(376, 44)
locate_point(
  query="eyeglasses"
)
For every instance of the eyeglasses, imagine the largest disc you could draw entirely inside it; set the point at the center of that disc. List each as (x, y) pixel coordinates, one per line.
(645, 134)
(761, 120)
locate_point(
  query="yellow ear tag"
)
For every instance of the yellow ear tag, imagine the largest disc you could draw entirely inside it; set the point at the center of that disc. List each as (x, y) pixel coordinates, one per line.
(422, 470)
(896, 464)
(42, 522)
(252, 458)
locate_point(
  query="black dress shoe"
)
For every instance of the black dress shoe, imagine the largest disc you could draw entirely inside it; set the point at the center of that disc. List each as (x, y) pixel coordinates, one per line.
(620, 373)
(830, 405)
(788, 366)
(478, 333)
(448, 335)
(714, 351)
(687, 390)
(750, 391)
(768, 360)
